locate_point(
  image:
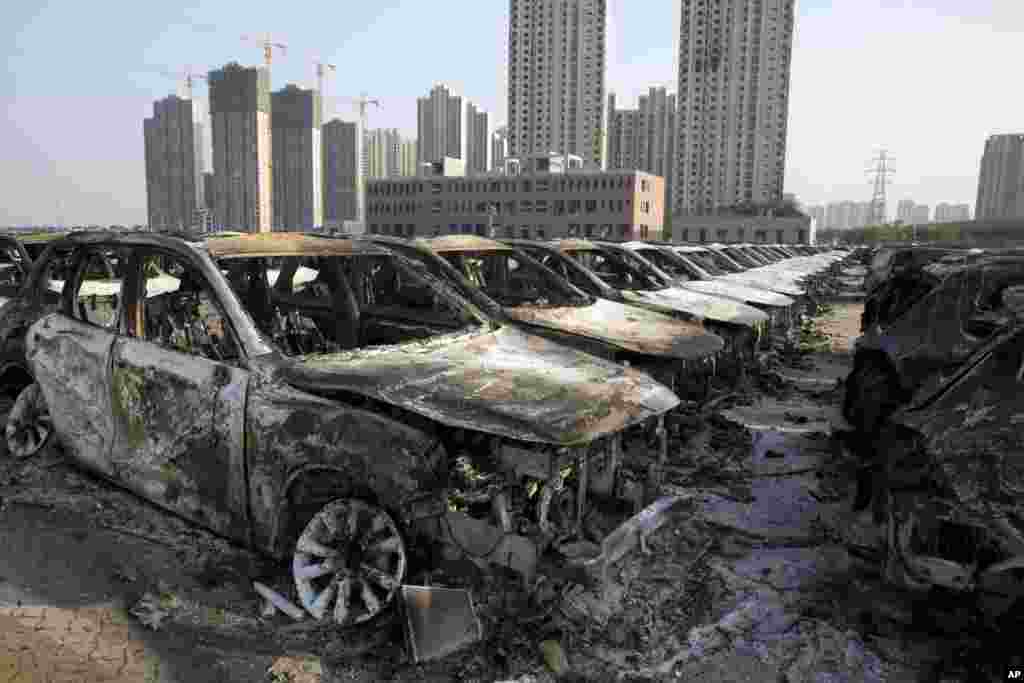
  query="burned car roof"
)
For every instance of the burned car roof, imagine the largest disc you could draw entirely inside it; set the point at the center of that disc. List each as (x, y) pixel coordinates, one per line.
(572, 244)
(286, 244)
(465, 243)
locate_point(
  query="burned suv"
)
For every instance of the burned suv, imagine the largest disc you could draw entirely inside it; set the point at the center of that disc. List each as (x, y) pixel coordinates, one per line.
(326, 400)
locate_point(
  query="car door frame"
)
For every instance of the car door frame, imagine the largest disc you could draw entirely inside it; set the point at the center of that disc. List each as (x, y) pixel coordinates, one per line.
(176, 481)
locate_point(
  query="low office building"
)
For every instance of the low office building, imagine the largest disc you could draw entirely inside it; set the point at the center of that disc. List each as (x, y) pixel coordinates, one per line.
(743, 229)
(596, 204)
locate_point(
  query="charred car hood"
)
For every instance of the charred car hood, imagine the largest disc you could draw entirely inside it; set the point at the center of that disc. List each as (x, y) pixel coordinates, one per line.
(701, 306)
(504, 382)
(774, 284)
(630, 328)
(740, 292)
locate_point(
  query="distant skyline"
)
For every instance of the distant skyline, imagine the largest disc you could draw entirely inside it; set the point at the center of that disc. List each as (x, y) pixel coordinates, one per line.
(82, 77)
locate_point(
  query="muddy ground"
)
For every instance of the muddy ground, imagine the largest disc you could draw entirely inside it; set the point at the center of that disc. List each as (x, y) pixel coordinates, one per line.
(766, 575)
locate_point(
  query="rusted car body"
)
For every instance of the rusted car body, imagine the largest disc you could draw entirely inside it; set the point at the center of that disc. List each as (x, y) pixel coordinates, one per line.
(949, 479)
(961, 306)
(625, 277)
(329, 399)
(511, 285)
(687, 275)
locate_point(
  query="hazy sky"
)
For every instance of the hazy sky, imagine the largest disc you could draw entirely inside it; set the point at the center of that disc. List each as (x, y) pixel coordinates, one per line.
(926, 79)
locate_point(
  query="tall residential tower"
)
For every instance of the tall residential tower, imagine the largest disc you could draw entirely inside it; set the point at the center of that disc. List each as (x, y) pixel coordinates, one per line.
(298, 159)
(1001, 181)
(240, 119)
(440, 121)
(340, 151)
(170, 165)
(734, 67)
(644, 138)
(556, 78)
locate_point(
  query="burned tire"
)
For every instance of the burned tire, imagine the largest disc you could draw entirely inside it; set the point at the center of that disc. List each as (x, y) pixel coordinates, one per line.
(29, 427)
(349, 562)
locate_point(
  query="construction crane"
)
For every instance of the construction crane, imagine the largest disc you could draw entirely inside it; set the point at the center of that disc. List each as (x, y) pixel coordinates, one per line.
(268, 45)
(185, 77)
(321, 72)
(363, 101)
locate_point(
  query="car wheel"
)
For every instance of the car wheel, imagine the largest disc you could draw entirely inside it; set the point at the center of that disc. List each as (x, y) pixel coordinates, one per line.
(29, 427)
(349, 562)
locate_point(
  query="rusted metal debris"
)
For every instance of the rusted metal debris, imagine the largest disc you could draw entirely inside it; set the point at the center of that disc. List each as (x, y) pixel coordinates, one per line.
(439, 621)
(251, 393)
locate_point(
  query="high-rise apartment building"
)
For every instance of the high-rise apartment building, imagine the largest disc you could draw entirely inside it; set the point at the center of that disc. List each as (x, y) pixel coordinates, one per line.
(556, 72)
(297, 159)
(905, 211)
(476, 140)
(340, 152)
(199, 142)
(383, 151)
(920, 215)
(733, 95)
(242, 149)
(1001, 181)
(945, 212)
(440, 120)
(644, 138)
(170, 164)
(499, 148)
(407, 158)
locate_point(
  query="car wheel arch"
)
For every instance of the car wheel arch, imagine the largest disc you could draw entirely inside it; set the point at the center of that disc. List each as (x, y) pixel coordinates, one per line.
(323, 483)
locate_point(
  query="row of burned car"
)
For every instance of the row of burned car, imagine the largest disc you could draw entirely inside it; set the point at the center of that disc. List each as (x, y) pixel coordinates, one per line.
(937, 399)
(359, 406)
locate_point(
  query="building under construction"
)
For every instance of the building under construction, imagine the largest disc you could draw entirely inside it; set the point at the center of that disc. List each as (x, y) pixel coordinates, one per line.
(170, 165)
(340, 152)
(240, 117)
(297, 159)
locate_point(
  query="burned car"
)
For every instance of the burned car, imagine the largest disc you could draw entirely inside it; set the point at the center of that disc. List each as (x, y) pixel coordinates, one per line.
(512, 285)
(614, 272)
(962, 305)
(687, 275)
(948, 479)
(328, 402)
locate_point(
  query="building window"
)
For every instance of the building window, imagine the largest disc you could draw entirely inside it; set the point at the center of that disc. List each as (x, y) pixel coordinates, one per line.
(643, 232)
(588, 231)
(591, 206)
(780, 236)
(525, 206)
(524, 232)
(686, 235)
(542, 234)
(574, 230)
(703, 235)
(373, 228)
(437, 230)
(436, 206)
(435, 188)
(542, 206)
(723, 235)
